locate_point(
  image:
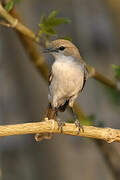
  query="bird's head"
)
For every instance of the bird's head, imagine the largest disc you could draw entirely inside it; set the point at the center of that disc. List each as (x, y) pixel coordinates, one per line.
(59, 48)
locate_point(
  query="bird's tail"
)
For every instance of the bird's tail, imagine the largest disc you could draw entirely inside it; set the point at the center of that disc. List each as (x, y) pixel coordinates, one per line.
(50, 114)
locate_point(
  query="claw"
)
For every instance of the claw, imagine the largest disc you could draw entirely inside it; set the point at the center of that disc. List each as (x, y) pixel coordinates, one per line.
(80, 127)
(60, 125)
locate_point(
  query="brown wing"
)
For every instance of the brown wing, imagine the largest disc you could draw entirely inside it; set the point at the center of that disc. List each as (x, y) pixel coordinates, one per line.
(50, 113)
(85, 77)
(84, 81)
(50, 77)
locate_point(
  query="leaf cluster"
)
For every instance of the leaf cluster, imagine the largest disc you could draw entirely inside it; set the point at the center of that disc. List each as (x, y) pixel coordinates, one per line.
(48, 24)
(11, 4)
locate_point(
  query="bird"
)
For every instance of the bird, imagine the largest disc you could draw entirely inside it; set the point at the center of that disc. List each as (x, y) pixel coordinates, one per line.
(66, 80)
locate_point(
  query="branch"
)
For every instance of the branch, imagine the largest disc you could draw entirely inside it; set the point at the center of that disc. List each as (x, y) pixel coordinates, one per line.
(14, 22)
(101, 78)
(17, 25)
(51, 126)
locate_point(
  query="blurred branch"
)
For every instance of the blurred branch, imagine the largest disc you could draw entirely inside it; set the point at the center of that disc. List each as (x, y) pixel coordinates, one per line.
(35, 56)
(101, 78)
(15, 23)
(51, 126)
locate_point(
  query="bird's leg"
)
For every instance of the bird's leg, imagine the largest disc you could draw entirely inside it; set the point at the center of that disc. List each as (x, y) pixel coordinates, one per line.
(60, 124)
(77, 122)
(52, 113)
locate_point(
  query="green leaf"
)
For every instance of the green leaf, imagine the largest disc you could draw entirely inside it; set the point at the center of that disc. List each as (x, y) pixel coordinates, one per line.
(48, 24)
(47, 31)
(58, 21)
(43, 20)
(117, 71)
(53, 14)
(9, 5)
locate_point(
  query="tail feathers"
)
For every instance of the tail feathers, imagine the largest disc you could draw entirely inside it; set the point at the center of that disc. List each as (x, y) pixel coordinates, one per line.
(42, 136)
(50, 113)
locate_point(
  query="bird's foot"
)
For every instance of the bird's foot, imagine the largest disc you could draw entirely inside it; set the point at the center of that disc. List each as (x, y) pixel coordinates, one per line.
(60, 124)
(42, 136)
(80, 127)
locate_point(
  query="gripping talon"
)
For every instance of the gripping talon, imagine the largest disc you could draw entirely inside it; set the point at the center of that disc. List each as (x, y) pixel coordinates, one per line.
(60, 125)
(80, 127)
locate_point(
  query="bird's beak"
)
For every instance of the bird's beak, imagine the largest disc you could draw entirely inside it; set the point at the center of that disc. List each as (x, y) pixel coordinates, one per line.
(46, 50)
(49, 50)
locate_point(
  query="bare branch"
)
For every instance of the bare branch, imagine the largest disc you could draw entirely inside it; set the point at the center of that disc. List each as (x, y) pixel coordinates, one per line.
(51, 126)
(17, 25)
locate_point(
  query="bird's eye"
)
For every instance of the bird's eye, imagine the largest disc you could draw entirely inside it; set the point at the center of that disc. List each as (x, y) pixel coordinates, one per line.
(61, 48)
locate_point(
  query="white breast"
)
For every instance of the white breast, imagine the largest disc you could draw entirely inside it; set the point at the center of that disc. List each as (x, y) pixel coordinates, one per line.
(68, 70)
(68, 77)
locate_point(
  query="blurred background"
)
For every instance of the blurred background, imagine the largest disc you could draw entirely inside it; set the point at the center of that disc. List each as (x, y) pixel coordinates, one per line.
(95, 29)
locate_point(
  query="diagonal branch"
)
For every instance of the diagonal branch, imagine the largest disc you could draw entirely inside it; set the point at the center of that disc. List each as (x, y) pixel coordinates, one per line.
(16, 24)
(51, 126)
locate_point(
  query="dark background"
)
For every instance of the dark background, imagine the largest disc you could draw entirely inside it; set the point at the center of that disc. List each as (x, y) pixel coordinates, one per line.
(23, 94)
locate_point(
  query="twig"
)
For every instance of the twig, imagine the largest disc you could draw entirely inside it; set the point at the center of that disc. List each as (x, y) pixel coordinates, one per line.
(51, 126)
(5, 24)
(14, 22)
(101, 78)
(17, 25)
